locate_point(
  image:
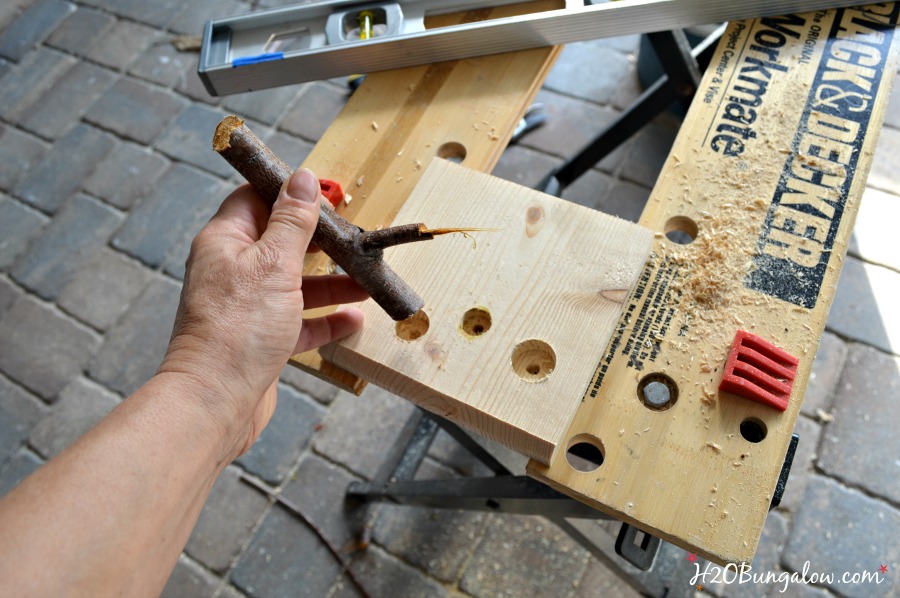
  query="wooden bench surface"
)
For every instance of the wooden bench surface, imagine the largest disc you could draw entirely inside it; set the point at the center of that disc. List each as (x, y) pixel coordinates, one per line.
(765, 178)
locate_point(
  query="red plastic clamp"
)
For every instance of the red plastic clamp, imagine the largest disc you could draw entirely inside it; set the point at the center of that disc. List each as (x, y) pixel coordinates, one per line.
(758, 370)
(332, 191)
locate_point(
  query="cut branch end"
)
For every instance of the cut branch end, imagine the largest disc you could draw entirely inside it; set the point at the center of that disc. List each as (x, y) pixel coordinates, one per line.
(222, 137)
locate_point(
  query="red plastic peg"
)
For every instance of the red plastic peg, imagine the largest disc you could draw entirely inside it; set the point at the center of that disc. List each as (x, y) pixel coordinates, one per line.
(332, 191)
(758, 370)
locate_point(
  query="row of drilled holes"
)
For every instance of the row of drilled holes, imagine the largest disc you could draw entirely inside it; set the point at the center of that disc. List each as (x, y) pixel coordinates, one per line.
(532, 360)
(585, 452)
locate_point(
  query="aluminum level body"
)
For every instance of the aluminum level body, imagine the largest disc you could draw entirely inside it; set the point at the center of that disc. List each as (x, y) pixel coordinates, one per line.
(234, 57)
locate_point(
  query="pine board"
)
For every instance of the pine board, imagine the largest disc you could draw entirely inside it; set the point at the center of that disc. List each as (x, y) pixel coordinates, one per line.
(380, 144)
(772, 226)
(541, 291)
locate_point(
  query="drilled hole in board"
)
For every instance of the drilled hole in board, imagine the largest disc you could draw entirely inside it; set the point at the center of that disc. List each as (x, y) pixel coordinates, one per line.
(413, 327)
(476, 321)
(753, 430)
(533, 360)
(681, 230)
(585, 453)
(657, 391)
(453, 151)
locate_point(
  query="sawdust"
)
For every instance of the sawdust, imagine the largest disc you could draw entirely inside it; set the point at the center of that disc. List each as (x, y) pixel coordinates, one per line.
(714, 301)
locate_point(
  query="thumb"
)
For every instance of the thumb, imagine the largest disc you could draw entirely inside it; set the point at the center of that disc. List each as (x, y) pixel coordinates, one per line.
(295, 213)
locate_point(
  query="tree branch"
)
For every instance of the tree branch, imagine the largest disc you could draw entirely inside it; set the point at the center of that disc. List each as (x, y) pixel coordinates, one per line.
(358, 252)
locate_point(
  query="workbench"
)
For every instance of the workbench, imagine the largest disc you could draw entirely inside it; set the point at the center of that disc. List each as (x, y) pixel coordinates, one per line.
(747, 229)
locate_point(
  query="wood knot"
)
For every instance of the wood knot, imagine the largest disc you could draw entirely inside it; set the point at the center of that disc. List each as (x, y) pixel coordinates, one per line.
(435, 352)
(534, 220)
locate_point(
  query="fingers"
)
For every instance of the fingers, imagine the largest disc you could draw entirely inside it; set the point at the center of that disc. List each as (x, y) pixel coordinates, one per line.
(331, 289)
(294, 215)
(321, 331)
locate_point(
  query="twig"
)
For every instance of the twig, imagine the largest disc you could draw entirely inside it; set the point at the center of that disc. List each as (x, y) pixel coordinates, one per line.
(290, 506)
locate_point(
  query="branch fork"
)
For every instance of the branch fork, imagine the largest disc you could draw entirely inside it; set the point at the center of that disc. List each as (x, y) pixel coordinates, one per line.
(358, 252)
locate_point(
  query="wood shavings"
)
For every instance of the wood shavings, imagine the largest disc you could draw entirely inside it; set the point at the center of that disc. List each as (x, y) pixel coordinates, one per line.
(824, 416)
(187, 43)
(714, 446)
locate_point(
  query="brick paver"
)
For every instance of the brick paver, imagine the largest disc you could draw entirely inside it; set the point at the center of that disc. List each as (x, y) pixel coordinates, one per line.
(81, 405)
(18, 225)
(105, 176)
(161, 64)
(842, 531)
(285, 558)
(19, 412)
(41, 348)
(181, 200)
(373, 420)
(134, 347)
(229, 518)
(80, 30)
(591, 71)
(523, 552)
(872, 233)
(861, 305)
(80, 228)
(20, 152)
(316, 489)
(386, 575)
(135, 110)
(314, 110)
(865, 412)
(29, 80)
(155, 14)
(9, 294)
(190, 21)
(70, 161)
(121, 44)
(128, 173)
(32, 26)
(292, 427)
(319, 390)
(103, 288)
(824, 376)
(54, 114)
(438, 541)
(267, 105)
(190, 579)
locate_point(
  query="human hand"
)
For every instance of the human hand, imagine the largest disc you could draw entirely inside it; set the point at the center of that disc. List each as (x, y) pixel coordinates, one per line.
(240, 315)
